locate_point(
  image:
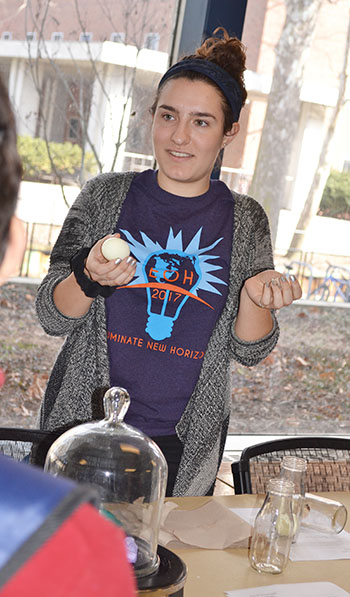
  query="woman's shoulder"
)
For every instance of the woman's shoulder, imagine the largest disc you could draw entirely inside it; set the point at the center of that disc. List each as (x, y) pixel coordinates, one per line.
(247, 203)
(249, 213)
(105, 189)
(110, 179)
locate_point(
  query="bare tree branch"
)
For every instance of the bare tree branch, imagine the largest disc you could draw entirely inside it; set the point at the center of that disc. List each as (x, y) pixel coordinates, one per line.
(34, 65)
(137, 16)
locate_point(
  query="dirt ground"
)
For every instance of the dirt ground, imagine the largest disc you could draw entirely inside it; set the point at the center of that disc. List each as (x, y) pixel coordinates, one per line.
(26, 356)
(302, 387)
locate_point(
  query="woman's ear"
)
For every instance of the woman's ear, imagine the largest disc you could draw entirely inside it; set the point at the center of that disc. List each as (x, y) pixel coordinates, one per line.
(14, 251)
(228, 137)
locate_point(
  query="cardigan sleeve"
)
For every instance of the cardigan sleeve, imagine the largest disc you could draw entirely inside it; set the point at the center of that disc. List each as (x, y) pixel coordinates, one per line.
(253, 241)
(251, 353)
(76, 233)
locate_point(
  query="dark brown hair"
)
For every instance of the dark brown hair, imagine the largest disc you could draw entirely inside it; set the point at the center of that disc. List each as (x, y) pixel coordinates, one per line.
(10, 167)
(228, 53)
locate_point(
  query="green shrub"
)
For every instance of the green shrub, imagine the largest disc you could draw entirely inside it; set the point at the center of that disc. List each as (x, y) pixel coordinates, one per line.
(65, 156)
(335, 202)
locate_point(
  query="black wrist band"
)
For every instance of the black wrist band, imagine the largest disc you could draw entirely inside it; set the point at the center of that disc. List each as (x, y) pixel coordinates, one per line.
(89, 287)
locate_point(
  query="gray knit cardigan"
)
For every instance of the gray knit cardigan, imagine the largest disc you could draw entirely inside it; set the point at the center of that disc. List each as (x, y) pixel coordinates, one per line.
(81, 372)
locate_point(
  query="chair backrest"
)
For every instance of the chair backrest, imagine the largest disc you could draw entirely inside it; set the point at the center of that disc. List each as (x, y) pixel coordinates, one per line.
(26, 444)
(328, 461)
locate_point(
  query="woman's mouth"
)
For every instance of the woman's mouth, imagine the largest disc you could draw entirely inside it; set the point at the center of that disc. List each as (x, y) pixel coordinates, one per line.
(179, 154)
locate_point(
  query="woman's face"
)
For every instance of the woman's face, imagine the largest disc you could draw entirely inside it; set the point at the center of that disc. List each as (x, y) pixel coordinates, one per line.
(187, 135)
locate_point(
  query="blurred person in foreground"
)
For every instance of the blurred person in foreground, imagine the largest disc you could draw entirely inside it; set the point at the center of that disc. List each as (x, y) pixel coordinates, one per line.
(12, 237)
(53, 541)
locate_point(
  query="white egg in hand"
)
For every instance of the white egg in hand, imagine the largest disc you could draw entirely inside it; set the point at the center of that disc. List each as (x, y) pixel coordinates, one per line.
(115, 248)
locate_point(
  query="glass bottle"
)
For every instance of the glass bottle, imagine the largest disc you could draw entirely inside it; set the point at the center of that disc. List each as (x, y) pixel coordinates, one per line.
(128, 469)
(293, 469)
(273, 528)
(323, 515)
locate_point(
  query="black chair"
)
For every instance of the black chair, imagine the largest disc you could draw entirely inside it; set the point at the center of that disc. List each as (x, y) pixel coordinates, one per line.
(29, 445)
(328, 461)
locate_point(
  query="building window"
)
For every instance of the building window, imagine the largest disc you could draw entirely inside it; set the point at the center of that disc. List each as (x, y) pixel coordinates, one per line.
(152, 41)
(86, 36)
(73, 129)
(57, 36)
(30, 36)
(118, 37)
(6, 36)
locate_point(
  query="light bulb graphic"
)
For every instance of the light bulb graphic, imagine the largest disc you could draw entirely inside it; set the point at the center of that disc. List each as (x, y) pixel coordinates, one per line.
(172, 275)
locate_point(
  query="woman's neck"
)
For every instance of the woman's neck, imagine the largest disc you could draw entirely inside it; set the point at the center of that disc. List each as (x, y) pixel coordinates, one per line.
(183, 189)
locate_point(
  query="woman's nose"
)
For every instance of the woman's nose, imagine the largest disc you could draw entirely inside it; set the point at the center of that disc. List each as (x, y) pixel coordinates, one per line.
(180, 134)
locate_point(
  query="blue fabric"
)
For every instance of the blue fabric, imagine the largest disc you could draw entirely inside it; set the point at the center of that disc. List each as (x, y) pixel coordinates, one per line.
(27, 497)
(159, 325)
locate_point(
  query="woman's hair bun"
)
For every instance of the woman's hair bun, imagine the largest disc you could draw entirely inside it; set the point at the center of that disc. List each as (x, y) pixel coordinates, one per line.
(228, 52)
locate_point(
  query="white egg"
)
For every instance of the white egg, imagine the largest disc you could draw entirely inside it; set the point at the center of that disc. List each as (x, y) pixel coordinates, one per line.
(115, 248)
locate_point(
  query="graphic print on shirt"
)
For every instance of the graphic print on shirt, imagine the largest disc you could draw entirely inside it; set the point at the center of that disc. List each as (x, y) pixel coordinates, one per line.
(172, 275)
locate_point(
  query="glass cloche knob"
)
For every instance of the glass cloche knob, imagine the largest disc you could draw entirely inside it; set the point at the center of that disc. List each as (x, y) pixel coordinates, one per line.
(128, 469)
(116, 402)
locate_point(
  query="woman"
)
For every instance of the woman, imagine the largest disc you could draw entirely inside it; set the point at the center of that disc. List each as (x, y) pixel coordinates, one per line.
(198, 289)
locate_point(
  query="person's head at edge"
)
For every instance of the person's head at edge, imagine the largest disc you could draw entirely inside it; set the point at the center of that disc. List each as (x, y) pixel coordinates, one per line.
(195, 114)
(12, 238)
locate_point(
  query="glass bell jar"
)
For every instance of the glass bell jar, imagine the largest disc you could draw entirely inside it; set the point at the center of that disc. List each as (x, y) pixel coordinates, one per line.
(129, 470)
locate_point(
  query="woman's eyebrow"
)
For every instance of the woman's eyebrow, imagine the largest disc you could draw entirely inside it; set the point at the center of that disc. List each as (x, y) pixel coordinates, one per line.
(199, 114)
(203, 115)
(166, 107)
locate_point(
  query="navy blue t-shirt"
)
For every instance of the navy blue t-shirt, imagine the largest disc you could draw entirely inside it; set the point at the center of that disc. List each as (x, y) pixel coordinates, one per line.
(158, 326)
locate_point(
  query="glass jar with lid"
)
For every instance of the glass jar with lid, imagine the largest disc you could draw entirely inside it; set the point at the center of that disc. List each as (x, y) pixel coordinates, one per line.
(127, 467)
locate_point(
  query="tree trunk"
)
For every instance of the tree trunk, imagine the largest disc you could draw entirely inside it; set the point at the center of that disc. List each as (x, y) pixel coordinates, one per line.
(324, 163)
(282, 116)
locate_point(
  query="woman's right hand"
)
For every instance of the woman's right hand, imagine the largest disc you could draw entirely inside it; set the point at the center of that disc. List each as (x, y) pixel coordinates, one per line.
(109, 273)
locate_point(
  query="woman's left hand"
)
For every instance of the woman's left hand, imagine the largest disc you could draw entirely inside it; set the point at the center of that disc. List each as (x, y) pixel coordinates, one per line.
(273, 290)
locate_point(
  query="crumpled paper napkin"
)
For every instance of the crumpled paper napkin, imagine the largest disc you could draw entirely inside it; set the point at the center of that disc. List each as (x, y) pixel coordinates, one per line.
(212, 526)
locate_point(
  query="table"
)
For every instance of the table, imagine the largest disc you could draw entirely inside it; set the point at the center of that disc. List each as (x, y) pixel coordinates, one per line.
(212, 572)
